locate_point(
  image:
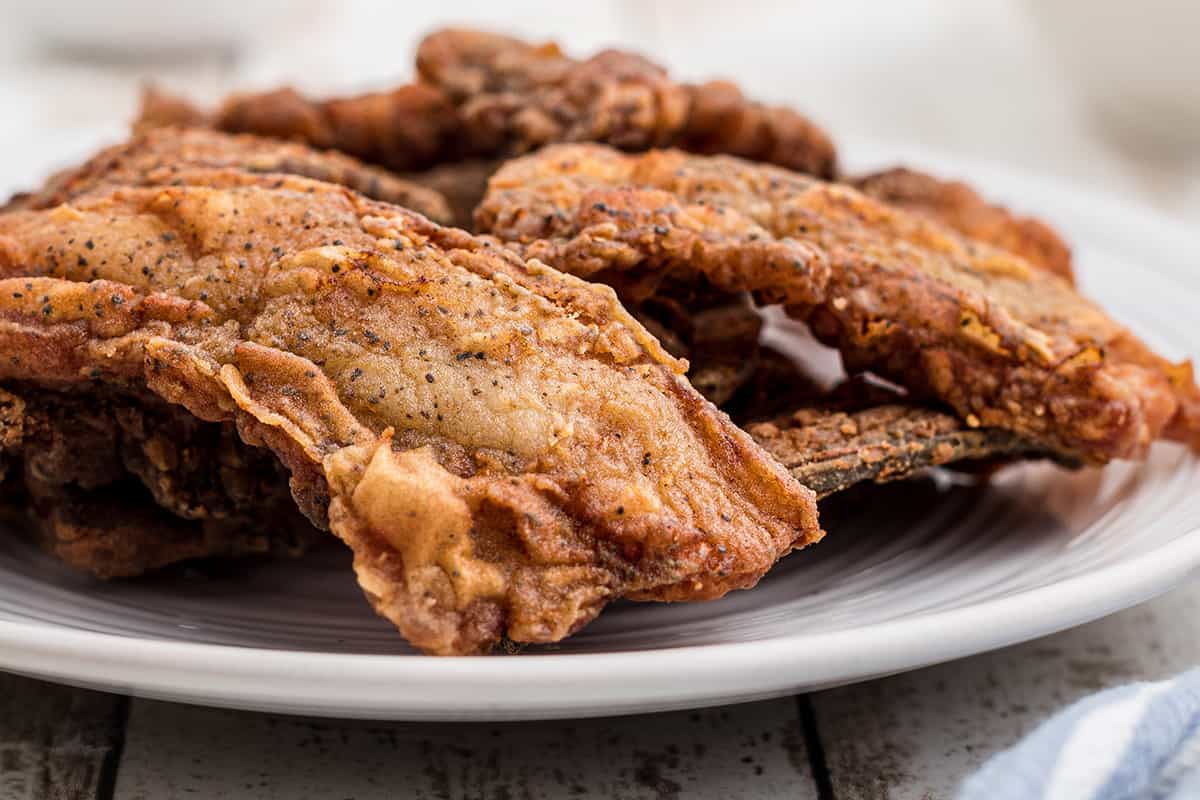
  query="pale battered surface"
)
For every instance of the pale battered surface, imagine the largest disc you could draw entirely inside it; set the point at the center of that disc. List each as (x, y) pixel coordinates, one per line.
(1004, 344)
(502, 446)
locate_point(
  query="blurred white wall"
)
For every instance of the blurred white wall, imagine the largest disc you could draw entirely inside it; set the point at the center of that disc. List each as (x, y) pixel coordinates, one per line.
(971, 78)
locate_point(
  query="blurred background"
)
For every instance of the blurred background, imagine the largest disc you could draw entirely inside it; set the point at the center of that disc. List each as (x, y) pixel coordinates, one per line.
(1103, 94)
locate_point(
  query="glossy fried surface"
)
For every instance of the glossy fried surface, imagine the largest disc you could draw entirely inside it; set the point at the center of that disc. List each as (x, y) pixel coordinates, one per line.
(958, 206)
(157, 157)
(1004, 344)
(502, 446)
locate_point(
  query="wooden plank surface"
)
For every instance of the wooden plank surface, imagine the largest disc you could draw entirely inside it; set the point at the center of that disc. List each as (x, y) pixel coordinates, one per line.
(917, 736)
(56, 742)
(753, 750)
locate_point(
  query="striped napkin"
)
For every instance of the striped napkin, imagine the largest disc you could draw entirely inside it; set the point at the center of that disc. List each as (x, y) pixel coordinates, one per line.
(1136, 742)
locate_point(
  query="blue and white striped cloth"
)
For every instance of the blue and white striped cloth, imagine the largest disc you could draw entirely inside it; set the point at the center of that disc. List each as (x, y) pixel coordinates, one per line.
(1136, 742)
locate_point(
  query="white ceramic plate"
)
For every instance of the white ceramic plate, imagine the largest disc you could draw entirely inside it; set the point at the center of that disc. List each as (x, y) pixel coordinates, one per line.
(909, 575)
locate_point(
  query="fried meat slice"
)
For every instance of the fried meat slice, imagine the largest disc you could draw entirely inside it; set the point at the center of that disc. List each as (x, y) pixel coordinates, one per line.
(120, 484)
(412, 127)
(960, 207)
(1004, 344)
(515, 96)
(830, 450)
(158, 156)
(461, 183)
(482, 95)
(502, 446)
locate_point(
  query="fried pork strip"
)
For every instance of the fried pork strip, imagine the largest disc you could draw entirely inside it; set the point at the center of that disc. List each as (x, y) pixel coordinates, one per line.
(121, 484)
(412, 127)
(830, 450)
(514, 97)
(1005, 345)
(461, 183)
(502, 446)
(158, 156)
(484, 96)
(960, 207)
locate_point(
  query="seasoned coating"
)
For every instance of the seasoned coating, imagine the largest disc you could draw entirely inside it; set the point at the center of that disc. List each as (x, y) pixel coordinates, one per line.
(483, 96)
(503, 447)
(1004, 344)
(960, 207)
(158, 156)
(829, 450)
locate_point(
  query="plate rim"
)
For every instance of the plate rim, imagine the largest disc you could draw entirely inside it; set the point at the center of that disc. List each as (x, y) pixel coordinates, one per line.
(544, 686)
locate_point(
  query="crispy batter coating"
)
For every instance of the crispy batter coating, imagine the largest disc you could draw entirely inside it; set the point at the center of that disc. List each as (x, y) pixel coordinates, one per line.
(960, 207)
(1004, 344)
(829, 450)
(158, 156)
(502, 446)
(483, 96)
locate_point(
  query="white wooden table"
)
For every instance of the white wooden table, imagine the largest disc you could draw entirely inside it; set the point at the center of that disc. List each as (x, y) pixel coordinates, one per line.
(908, 737)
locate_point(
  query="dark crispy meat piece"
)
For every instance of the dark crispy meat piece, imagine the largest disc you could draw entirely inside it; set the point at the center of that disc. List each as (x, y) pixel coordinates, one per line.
(412, 127)
(778, 384)
(483, 96)
(722, 120)
(515, 96)
(94, 465)
(502, 446)
(117, 532)
(462, 183)
(960, 207)
(158, 156)
(830, 450)
(1002, 343)
(715, 331)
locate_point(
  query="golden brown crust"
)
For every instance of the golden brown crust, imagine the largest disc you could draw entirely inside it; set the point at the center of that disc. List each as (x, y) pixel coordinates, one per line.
(1002, 343)
(960, 207)
(503, 447)
(159, 156)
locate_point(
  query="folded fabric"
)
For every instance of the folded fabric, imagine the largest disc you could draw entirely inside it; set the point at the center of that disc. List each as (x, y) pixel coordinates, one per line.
(1135, 742)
